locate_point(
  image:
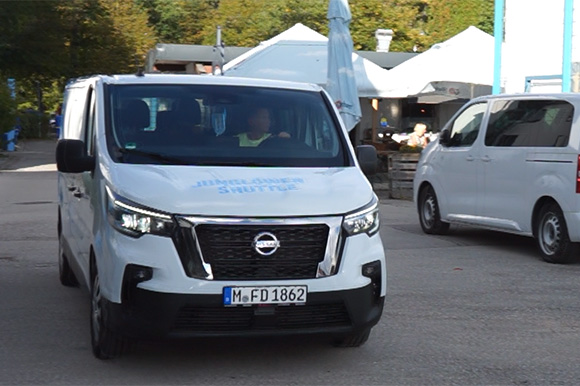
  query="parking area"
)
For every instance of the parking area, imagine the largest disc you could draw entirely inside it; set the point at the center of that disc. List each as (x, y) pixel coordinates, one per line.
(470, 308)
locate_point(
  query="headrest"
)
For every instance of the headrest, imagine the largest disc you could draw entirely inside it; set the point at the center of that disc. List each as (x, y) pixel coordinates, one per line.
(135, 114)
(189, 111)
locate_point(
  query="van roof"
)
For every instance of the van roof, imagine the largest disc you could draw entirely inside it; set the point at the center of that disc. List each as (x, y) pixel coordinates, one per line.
(198, 79)
(566, 96)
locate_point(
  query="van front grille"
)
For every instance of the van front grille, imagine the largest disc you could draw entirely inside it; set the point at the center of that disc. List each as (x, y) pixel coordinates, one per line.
(224, 319)
(229, 251)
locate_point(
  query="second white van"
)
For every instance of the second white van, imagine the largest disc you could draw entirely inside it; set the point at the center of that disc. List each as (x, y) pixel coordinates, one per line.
(509, 163)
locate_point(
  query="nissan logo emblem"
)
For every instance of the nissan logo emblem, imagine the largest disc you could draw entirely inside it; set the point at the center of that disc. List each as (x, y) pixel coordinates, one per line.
(265, 243)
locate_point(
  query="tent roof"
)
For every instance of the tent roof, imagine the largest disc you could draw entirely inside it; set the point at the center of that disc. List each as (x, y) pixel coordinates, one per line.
(464, 60)
(300, 54)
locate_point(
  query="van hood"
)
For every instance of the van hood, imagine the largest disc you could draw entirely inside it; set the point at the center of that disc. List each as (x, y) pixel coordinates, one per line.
(242, 191)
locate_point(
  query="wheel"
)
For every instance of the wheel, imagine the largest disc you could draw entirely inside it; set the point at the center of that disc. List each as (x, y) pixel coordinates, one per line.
(65, 273)
(429, 216)
(105, 343)
(353, 340)
(552, 236)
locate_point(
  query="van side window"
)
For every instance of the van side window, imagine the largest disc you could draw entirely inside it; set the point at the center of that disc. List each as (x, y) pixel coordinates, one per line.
(466, 126)
(532, 123)
(74, 113)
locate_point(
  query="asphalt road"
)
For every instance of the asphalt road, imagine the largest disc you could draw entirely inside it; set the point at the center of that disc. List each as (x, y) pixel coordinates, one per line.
(471, 308)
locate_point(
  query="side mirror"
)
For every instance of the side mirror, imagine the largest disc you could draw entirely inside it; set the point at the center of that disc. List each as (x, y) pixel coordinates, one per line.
(444, 137)
(71, 157)
(367, 159)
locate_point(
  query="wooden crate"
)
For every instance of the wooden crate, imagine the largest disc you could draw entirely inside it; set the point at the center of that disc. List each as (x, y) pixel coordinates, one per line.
(402, 167)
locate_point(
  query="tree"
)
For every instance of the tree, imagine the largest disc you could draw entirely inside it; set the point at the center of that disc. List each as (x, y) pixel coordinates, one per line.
(130, 30)
(447, 18)
(244, 22)
(403, 17)
(198, 14)
(311, 13)
(29, 39)
(7, 108)
(48, 42)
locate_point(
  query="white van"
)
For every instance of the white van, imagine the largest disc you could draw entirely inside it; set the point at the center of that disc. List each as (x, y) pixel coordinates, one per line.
(178, 231)
(509, 163)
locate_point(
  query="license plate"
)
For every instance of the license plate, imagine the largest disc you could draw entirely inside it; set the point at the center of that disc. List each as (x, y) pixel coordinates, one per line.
(295, 294)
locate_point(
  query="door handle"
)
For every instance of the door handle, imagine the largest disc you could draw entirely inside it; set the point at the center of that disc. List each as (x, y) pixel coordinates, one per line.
(469, 158)
(71, 188)
(485, 158)
(77, 193)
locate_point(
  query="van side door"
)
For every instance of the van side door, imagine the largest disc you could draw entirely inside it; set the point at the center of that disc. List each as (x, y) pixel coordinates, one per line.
(458, 165)
(86, 185)
(525, 157)
(68, 183)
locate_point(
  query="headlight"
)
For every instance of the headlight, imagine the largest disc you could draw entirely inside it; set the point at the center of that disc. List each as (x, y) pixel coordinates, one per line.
(134, 220)
(365, 220)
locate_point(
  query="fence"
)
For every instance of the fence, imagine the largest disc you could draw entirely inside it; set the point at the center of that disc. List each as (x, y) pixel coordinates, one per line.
(401, 171)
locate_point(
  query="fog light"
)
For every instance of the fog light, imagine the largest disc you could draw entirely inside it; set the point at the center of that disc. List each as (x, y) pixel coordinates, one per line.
(134, 274)
(140, 274)
(373, 271)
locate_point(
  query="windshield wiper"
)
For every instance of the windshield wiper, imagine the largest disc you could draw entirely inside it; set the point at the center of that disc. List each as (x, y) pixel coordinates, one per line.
(155, 156)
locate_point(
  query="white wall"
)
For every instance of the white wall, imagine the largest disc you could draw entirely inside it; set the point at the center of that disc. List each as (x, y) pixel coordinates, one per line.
(533, 41)
(533, 44)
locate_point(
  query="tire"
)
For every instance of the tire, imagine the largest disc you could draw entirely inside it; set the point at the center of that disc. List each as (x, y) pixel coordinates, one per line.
(353, 340)
(105, 343)
(429, 215)
(552, 236)
(65, 273)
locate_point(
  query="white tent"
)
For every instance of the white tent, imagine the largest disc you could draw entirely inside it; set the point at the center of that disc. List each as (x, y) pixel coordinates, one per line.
(458, 68)
(300, 54)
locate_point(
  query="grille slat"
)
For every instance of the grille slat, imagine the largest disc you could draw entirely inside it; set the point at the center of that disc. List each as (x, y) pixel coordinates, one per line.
(224, 319)
(228, 249)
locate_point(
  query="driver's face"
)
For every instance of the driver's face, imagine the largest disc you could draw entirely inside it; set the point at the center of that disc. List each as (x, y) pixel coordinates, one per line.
(260, 121)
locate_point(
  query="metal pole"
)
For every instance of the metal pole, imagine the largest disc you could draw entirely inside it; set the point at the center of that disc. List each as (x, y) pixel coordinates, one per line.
(567, 48)
(219, 48)
(498, 36)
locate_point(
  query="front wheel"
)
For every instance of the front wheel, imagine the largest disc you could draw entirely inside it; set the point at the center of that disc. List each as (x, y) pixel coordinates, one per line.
(552, 236)
(429, 215)
(105, 343)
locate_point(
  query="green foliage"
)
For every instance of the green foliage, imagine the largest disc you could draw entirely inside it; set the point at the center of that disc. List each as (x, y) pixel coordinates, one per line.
(446, 18)
(244, 23)
(50, 42)
(410, 149)
(30, 39)
(33, 124)
(7, 108)
(310, 13)
(404, 17)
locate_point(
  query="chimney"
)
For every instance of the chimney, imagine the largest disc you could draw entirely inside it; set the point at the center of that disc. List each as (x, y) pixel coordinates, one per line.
(384, 37)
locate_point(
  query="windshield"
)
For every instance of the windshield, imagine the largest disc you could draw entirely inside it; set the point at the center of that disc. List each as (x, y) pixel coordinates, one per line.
(222, 125)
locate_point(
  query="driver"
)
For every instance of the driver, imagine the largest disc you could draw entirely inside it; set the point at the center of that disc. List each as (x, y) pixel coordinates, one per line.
(258, 129)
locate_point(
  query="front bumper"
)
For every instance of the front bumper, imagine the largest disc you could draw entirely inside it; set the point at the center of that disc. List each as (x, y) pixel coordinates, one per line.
(153, 315)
